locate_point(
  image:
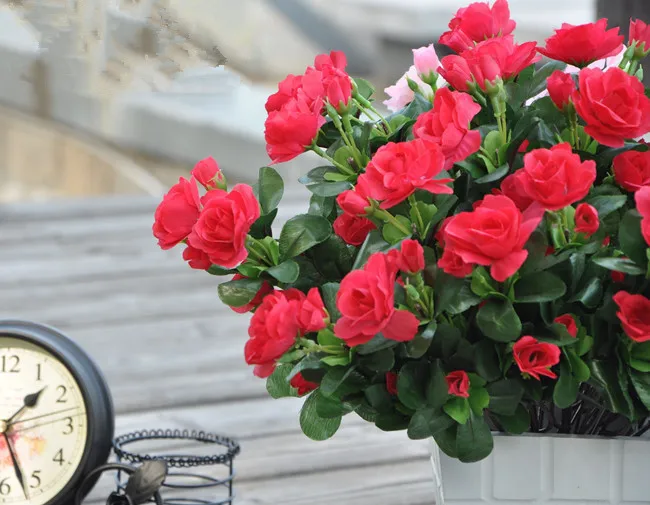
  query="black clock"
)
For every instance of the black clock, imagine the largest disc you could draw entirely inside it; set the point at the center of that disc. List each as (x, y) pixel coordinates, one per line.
(56, 415)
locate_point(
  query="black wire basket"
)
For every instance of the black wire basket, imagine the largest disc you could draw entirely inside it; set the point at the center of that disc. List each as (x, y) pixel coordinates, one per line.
(192, 478)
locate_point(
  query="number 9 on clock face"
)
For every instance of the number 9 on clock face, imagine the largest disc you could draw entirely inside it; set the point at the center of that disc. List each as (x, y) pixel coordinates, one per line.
(56, 417)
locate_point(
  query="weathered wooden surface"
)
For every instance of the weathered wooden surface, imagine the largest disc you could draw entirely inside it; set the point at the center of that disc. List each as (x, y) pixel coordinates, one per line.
(173, 354)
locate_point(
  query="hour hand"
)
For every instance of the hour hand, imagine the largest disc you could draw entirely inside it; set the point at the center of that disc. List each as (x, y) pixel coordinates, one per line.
(16, 465)
(29, 402)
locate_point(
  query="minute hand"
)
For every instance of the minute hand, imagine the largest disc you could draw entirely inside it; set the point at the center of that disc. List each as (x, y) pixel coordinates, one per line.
(21, 421)
(45, 423)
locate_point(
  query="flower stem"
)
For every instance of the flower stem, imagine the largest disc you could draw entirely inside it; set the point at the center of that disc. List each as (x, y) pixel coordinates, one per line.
(342, 168)
(389, 218)
(365, 104)
(251, 244)
(418, 216)
(355, 151)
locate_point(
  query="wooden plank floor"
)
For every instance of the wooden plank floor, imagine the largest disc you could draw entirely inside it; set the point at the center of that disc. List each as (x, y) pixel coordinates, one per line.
(173, 354)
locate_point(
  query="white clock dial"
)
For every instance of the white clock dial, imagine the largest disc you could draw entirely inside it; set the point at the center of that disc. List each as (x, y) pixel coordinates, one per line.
(43, 424)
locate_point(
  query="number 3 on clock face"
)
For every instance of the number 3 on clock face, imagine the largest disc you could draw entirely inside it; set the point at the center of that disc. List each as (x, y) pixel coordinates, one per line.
(51, 417)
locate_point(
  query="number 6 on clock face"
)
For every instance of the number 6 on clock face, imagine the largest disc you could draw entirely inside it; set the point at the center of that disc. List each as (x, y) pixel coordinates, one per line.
(56, 417)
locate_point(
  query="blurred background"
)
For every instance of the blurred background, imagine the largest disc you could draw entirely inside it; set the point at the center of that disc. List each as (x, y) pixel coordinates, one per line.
(123, 96)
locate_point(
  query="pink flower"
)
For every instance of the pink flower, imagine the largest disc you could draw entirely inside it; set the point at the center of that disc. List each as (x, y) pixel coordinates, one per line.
(426, 60)
(401, 95)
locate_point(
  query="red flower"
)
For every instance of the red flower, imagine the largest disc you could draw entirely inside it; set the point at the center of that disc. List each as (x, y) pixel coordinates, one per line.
(176, 214)
(458, 383)
(512, 187)
(398, 169)
(536, 358)
(569, 322)
(335, 60)
(224, 223)
(524, 146)
(556, 177)
(453, 264)
(353, 229)
(353, 201)
(632, 170)
(617, 277)
(196, 258)
(303, 386)
(586, 218)
(560, 88)
(634, 314)
(291, 130)
(476, 23)
(273, 330)
(488, 61)
(411, 258)
(391, 383)
(607, 241)
(583, 44)
(257, 299)
(287, 90)
(613, 104)
(367, 304)
(642, 199)
(493, 234)
(312, 314)
(208, 174)
(640, 35)
(448, 124)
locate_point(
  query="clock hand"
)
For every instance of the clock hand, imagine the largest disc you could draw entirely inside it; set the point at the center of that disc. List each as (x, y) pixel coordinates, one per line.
(29, 402)
(44, 415)
(16, 465)
(27, 428)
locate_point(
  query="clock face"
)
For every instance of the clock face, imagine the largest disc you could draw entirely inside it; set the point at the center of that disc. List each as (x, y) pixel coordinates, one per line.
(43, 424)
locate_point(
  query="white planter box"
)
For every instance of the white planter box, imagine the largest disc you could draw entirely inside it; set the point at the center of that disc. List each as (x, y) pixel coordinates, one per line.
(558, 470)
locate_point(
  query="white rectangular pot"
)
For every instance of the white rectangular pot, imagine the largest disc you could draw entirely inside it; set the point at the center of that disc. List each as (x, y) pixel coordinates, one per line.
(550, 469)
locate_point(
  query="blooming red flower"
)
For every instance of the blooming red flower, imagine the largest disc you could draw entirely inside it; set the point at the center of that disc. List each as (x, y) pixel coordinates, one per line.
(391, 383)
(455, 70)
(586, 218)
(617, 277)
(640, 35)
(312, 316)
(569, 322)
(536, 358)
(448, 124)
(632, 170)
(634, 314)
(257, 299)
(478, 22)
(366, 300)
(556, 177)
(302, 385)
(196, 258)
(273, 330)
(398, 169)
(334, 60)
(224, 223)
(458, 383)
(452, 263)
(583, 44)
(354, 201)
(287, 90)
(411, 258)
(353, 229)
(493, 234)
(560, 87)
(512, 187)
(642, 200)
(613, 104)
(176, 214)
(208, 174)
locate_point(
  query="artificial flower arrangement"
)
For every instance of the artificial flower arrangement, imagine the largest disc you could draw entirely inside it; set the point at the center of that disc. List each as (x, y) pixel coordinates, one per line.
(475, 262)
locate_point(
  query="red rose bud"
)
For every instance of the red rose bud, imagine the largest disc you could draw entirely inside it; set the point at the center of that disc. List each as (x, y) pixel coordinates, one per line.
(411, 259)
(224, 223)
(583, 44)
(560, 88)
(586, 219)
(353, 229)
(556, 177)
(303, 386)
(617, 277)
(312, 316)
(642, 200)
(607, 241)
(640, 38)
(257, 299)
(448, 124)
(524, 146)
(208, 174)
(353, 201)
(608, 120)
(391, 383)
(569, 322)
(398, 169)
(549, 250)
(536, 358)
(632, 170)
(196, 258)
(366, 301)
(455, 70)
(634, 314)
(458, 383)
(453, 264)
(478, 22)
(176, 214)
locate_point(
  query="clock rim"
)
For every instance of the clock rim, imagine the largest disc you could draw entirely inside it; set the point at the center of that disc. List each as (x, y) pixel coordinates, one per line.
(100, 412)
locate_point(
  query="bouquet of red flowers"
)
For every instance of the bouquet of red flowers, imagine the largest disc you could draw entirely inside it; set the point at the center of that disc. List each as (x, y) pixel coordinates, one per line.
(476, 261)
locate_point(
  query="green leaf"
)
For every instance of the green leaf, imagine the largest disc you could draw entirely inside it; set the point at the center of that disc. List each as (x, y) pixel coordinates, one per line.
(329, 408)
(392, 421)
(277, 383)
(619, 265)
(320, 205)
(505, 395)
(377, 343)
(458, 409)
(262, 227)
(579, 368)
(217, 270)
(326, 337)
(340, 381)
(309, 362)
(498, 174)
(373, 243)
(336, 360)
(364, 88)
(380, 399)
(453, 295)
(498, 320)
(482, 283)
(301, 233)
(487, 360)
(239, 292)
(329, 291)
(287, 271)
(566, 389)
(608, 374)
(313, 425)
(392, 234)
(631, 240)
(606, 204)
(590, 295)
(418, 347)
(446, 439)
(474, 440)
(479, 399)
(517, 423)
(419, 426)
(316, 182)
(380, 361)
(426, 211)
(419, 105)
(437, 389)
(640, 357)
(270, 189)
(539, 287)
(411, 383)
(641, 383)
